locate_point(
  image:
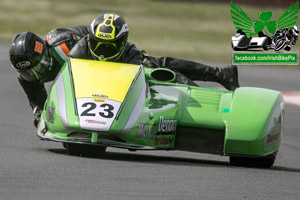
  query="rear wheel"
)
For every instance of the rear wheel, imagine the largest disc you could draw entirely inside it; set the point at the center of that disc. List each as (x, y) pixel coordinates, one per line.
(267, 43)
(64, 145)
(85, 150)
(259, 162)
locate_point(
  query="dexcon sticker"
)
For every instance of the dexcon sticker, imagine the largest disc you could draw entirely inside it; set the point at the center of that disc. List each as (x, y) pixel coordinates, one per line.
(166, 127)
(166, 131)
(97, 116)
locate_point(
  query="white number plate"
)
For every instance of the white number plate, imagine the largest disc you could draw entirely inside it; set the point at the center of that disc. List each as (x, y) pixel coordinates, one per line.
(97, 116)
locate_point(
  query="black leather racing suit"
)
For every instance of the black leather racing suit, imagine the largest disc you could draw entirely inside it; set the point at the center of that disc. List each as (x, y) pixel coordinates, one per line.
(59, 42)
(186, 70)
(131, 54)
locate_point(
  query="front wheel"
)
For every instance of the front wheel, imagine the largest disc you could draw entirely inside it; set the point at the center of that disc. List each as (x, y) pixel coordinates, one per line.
(280, 44)
(85, 150)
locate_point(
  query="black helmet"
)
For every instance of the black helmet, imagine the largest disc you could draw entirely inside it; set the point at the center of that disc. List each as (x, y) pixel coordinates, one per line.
(108, 35)
(26, 51)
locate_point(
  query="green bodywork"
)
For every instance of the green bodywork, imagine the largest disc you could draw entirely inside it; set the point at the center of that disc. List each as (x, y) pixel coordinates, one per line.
(159, 114)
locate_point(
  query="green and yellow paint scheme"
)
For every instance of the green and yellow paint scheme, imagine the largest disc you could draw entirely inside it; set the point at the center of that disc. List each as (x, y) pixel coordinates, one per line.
(140, 108)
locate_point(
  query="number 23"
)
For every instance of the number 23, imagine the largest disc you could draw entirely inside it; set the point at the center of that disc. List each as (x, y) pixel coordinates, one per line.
(91, 106)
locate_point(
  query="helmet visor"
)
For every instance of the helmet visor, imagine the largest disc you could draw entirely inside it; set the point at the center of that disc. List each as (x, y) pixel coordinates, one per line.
(37, 71)
(105, 49)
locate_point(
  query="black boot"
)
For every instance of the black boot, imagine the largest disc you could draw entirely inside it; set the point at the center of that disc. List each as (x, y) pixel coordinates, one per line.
(227, 76)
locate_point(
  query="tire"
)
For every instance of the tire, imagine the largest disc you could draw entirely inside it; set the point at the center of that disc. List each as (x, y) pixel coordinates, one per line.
(267, 44)
(287, 48)
(257, 162)
(85, 150)
(265, 48)
(280, 44)
(64, 145)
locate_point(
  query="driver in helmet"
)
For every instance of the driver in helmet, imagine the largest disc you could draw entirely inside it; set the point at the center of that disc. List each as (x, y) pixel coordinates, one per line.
(107, 41)
(38, 59)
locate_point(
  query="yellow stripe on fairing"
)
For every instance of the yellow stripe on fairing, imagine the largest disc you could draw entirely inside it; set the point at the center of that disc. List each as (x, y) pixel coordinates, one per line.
(93, 78)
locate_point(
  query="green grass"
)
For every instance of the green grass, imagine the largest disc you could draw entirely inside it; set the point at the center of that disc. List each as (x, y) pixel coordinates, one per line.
(199, 31)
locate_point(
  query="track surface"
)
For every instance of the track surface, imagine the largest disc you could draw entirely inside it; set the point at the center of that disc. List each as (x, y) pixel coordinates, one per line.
(34, 169)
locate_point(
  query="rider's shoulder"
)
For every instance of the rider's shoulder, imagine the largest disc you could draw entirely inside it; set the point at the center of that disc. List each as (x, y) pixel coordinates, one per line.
(67, 34)
(132, 54)
(80, 50)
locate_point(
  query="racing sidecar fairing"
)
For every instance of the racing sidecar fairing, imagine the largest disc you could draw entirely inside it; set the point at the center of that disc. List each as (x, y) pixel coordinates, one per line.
(103, 104)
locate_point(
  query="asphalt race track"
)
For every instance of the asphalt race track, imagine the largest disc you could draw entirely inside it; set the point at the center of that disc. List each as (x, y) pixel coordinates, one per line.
(34, 169)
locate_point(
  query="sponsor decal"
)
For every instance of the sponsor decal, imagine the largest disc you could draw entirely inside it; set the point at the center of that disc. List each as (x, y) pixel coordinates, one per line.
(104, 36)
(275, 126)
(100, 96)
(146, 131)
(275, 132)
(165, 132)
(167, 127)
(165, 140)
(97, 116)
(38, 47)
(23, 64)
(47, 37)
(76, 37)
(50, 35)
(50, 114)
(92, 121)
(99, 100)
(273, 138)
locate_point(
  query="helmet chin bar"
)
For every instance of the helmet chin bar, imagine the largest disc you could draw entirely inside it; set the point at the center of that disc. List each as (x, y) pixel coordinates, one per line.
(111, 58)
(102, 58)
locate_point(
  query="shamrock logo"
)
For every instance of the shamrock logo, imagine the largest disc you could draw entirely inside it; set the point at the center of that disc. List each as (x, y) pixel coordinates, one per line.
(260, 25)
(242, 21)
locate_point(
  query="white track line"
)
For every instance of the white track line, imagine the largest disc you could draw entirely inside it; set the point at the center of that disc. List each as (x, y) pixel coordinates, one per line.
(291, 97)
